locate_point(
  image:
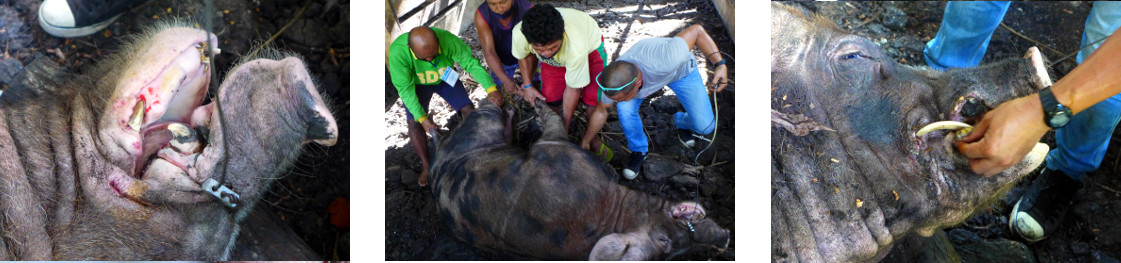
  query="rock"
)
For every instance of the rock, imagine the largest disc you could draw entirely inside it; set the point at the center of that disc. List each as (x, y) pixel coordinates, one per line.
(665, 104)
(972, 248)
(916, 248)
(307, 32)
(393, 173)
(877, 29)
(687, 180)
(660, 167)
(1079, 247)
(409, 177)
(1098, 256)
(708, 188)
(9, 68)
(913, 44)
(894, 18)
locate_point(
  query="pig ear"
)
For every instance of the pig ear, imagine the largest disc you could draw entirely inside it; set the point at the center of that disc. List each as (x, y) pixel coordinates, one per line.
(617, 246)
(688, 211)
(322, 128)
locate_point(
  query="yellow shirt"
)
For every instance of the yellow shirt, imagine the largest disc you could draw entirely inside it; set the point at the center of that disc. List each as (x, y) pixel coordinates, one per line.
(581, 37)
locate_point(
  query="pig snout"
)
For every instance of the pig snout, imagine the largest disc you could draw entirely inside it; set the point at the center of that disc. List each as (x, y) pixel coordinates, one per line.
(267, 110)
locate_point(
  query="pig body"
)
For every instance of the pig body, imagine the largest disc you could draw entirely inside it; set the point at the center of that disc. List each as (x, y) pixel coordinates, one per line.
(849, 174)
(554, 200)
(88, 170)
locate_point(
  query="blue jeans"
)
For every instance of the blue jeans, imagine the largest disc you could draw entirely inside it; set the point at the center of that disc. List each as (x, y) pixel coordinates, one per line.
(697, 117)
(964, 34)
(510, 74)
(962, 40)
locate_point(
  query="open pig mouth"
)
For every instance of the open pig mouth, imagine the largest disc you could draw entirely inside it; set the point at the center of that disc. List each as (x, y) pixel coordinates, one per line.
(169, 117)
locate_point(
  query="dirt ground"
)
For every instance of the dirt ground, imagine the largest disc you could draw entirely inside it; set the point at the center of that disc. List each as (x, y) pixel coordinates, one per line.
(301, 197)
(1090, 232)
(414, 230)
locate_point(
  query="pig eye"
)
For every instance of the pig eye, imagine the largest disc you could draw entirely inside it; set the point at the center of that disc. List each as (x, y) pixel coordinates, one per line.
(853, 55)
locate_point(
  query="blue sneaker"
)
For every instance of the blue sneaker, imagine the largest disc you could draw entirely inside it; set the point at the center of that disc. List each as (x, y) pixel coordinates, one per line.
(1045, 203)
(634, 165)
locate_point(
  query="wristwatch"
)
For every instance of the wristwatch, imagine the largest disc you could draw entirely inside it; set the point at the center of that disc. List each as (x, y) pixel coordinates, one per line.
(1054, 113)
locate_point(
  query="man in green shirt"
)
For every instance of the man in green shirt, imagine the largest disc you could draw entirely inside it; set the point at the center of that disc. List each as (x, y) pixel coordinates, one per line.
(420, 63)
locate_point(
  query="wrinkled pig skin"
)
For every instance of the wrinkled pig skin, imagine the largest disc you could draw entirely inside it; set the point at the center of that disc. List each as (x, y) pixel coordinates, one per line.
(848, 174)
(554, 200)
(79, 183)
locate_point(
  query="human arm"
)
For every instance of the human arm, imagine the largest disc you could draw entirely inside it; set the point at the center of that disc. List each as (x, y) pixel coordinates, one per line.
(486, 40)
(527, 61)
(1006, 134)
(569, 102)
(695, 35)
(595, 124)
(461, 53)
(401, 75)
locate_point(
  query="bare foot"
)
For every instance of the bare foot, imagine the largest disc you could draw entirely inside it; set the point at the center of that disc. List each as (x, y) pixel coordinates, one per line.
(423, 180)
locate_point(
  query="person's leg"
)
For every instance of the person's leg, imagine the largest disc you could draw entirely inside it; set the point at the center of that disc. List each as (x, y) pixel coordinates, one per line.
(456, 97)
(1081, 145)
(632, 124)
(964, 34)
(589, 97)
(1104, 18)
(417, 134)
(694, 97)
(636, 136)
(552, 83)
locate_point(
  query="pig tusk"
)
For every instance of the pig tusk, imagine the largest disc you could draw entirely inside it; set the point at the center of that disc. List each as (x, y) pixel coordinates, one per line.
(137, 118)
(961, 129)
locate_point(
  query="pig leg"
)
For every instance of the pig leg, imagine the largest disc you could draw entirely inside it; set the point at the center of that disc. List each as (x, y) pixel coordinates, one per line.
(551, 125)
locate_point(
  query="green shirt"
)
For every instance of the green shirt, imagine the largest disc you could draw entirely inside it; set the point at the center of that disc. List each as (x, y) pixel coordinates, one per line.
(406, 71)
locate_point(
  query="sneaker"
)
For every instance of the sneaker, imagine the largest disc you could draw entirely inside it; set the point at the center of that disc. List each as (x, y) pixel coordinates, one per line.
(689, 138)
(634, 165)
(1043, 205)
(77, 18)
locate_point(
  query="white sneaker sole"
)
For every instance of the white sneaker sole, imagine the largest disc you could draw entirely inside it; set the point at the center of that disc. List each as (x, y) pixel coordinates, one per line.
(1024, 225)
(71, 32)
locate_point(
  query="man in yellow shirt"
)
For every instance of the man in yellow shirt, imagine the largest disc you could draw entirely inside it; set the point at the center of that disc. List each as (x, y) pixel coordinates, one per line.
(569, 46)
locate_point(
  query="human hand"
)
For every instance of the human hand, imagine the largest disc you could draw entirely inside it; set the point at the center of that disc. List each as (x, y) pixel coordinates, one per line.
(429, 126)
(496, 98)
(719, 79)
(532, 95)
(511, 87)
(1004, 136)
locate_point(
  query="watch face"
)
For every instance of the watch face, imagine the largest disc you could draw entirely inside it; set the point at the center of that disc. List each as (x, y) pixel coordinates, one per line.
(1059, 120)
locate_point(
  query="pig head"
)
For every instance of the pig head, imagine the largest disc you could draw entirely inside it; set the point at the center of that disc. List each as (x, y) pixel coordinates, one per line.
(554, 200)
(849, 174)
(111, 165)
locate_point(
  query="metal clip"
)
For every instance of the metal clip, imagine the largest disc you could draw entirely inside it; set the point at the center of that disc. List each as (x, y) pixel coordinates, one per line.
(223, 193)
(690, 224)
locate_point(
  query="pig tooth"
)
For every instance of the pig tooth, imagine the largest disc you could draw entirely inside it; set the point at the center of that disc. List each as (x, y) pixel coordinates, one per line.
(180, 131)
(184, 140)
(137, 118)
(961, 129)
